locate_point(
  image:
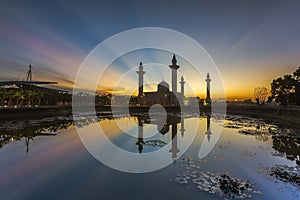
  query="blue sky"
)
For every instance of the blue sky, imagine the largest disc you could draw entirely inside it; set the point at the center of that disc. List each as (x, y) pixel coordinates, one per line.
(252, 42)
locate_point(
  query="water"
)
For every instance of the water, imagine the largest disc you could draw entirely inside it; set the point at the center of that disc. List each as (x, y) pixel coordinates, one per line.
(45, 159)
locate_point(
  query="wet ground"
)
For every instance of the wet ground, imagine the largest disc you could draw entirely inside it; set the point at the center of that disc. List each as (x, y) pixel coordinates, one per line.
(248, 158)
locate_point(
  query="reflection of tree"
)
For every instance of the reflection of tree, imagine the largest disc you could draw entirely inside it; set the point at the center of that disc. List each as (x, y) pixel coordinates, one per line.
(29, 132)
(44, 127)
(260, 130)
(262, 134)
(262, 137)
(289, 145)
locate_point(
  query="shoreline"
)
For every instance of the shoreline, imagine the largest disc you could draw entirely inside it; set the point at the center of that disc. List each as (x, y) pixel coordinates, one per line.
(34, 112)
(281, 115)
(289, 116)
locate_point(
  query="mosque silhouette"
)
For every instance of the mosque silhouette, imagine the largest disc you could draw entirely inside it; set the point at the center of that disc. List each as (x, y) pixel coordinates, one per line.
(163, 96)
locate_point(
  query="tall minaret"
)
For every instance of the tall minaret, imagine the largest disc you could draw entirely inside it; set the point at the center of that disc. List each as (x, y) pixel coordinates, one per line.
(208, 80)
(182, 85)
(174, 68)
(141, 73)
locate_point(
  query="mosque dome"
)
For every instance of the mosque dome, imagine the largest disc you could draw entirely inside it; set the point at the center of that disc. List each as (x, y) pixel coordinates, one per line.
(163, 86)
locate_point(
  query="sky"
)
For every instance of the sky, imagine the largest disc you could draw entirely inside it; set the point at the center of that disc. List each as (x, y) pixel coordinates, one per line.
(251, 42)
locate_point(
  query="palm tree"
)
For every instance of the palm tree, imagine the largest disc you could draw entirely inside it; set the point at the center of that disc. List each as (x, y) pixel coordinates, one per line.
(39, 95)
(3, 93)
(30, 94)
(19, 94)
(10, 95)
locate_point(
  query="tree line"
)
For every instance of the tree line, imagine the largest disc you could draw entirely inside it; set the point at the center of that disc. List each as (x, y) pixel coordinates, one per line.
(284, 90)
(19, 96)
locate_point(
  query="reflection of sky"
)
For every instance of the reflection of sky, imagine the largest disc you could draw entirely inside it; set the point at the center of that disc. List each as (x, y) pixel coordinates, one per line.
(246, 39)
(59, 166)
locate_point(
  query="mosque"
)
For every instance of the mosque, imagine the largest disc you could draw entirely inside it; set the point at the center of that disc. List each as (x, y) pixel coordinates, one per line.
(163, 95)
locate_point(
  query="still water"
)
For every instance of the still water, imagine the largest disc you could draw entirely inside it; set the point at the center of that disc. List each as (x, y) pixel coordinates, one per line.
(45, 159)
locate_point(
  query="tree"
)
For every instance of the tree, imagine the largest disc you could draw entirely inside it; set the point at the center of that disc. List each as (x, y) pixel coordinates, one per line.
(64, 97)
(39, 96)
(10, 95)
(296, 75)
(3, 94)
(30, 94)
(19, 95)
(286, 89)
(261, 94)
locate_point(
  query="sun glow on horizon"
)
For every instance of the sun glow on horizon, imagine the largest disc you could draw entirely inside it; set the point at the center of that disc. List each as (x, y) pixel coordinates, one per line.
(120, 78)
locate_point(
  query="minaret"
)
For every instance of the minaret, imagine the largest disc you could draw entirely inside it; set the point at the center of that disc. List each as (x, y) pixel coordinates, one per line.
(208, 80)
(174, 68)
(141, 73)
(182, 86)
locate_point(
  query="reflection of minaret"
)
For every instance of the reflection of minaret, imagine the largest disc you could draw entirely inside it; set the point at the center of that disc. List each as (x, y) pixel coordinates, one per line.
(27, 144)
(141, 73)
(174, 149)
(140, 141)
(174, 68)
(182, 86)
(208, 80)
(208, 132)
(182, 126)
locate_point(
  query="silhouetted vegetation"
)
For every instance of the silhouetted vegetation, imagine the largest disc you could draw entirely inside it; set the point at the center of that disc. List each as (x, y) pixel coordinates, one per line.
(29, 95)
(261, 94)
(286, 90)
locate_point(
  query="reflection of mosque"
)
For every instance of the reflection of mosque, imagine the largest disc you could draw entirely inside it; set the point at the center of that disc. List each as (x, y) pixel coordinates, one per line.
(163, 128)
